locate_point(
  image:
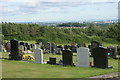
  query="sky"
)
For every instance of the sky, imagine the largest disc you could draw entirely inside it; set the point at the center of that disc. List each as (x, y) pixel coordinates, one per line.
(57, 10)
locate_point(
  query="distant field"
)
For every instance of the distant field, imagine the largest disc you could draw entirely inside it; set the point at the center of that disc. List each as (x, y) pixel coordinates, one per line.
(20, 69)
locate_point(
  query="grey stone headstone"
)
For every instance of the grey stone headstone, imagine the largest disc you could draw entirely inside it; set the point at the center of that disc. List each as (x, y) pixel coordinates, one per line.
(1, 46)
(34, 47)
(38, 56)
(22, 47)
(58, 50)
(83, 59)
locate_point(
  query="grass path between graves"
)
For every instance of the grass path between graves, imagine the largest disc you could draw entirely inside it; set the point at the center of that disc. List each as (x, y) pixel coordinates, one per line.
(20, 69)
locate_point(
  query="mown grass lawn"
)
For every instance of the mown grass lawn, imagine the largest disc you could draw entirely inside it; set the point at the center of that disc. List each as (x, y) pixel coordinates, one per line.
(20, 69)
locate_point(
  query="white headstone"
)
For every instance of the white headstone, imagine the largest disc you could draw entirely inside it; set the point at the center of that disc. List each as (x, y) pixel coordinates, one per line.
(38, 56)
(58, 50)
(34, 47)
(22, 47)
(83, 59)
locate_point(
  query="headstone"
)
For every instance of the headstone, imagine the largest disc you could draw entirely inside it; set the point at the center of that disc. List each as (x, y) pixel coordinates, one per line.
(58, 50)
(34, 47)
(7, 46)
(22, 48)
(50, 46)
(31, 45)
(100, 57)
(28, 47)
(93, 45)
(82, 45)
(83, 59)
(14, 54)
(22, 43)
(52, 60)
(1, 46)
(67, 57)
(118, 50)
(73, 48)
(38, 56)
(112, 51)
(26, 44)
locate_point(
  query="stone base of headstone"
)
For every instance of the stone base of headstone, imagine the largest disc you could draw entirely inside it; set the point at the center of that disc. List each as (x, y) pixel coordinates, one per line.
(109, 67)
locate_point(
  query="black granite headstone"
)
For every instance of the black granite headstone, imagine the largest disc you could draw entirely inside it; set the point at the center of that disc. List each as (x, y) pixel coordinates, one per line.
(28, 47)
(26, 44)
(14, 50)
(100, 57)
(67, 57)
(73, 48)
(22, 43)
(52, 60)
(118, 50)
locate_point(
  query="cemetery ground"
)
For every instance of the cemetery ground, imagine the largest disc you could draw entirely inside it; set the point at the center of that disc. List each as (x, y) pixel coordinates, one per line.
(23, 69)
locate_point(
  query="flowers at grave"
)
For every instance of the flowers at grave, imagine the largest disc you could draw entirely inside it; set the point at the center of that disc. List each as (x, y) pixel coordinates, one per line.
(27, 57)
(29, 51)
(46, 52)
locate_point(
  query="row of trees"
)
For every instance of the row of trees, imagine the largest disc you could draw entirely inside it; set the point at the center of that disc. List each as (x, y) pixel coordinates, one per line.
(109, 33)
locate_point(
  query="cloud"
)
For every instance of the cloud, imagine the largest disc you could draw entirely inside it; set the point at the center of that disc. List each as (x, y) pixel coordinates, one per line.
(15, 7)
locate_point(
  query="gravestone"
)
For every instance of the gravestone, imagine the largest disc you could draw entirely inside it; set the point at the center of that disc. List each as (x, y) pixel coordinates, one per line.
(22, 48)
(100, 55)
(7, 46)
(59, 49)
(83, 59)
(81, 45)
(28, 47)
(67, 57)
(26, 44)
(1, 46)
(14, 53)
(73, 48)
(112, 51)
(52, 60)
(50, 46)
(34, 47)
(22, 43)
(38, 56)
(118, 50)
(31, 45)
